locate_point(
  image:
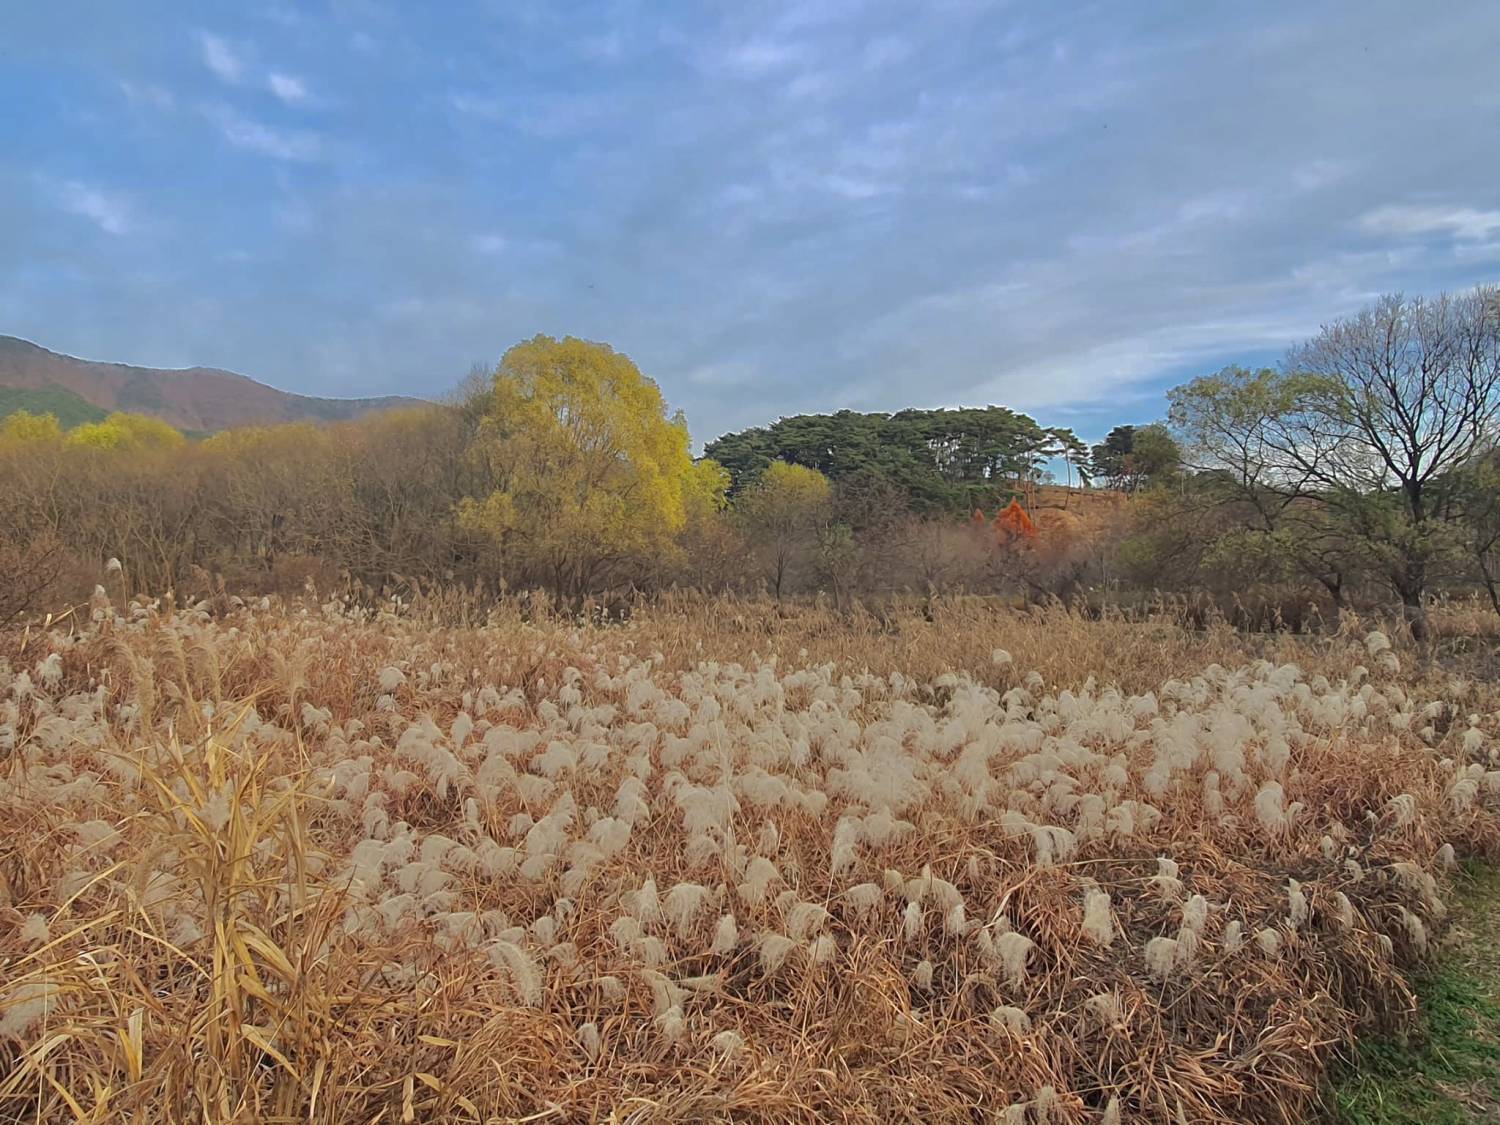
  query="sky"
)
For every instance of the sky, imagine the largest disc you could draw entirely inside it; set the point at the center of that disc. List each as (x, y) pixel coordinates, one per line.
(772, 207)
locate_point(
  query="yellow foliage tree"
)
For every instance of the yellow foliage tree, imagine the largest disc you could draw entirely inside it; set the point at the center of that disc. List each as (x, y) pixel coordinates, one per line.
(130, 432)
(705, 489)
(711, 548)
(586, 468)
(784, 509)
(25, 428)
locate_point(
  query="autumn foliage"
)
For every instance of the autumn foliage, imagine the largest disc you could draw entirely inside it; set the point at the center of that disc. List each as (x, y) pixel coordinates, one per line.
(1012, 523)
(562, 470)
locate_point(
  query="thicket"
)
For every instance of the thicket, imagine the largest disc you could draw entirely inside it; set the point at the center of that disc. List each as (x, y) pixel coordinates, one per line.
(564, 470)
(1367, 459)
(1364, 469)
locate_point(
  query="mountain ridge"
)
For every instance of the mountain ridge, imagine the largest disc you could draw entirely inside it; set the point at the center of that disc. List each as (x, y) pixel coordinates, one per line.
(199, 399)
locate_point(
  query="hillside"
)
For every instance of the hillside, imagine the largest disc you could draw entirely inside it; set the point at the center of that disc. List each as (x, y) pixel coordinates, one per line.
(194, 399)
(62, 404)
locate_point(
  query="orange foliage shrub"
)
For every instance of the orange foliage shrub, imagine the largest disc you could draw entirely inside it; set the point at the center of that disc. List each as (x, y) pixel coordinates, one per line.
(1013, 523)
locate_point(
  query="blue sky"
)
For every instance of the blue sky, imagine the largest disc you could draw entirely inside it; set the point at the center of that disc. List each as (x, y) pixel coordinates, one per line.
(772, 207)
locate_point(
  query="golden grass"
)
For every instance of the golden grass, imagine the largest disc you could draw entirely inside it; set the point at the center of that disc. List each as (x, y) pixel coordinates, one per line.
(192, 927)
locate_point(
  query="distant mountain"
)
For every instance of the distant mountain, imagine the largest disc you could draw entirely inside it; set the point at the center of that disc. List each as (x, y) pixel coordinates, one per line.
(198, 399)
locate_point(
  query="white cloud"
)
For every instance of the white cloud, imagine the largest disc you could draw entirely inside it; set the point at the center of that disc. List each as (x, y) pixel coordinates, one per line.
(609, 47)
(760, 56)
(1467, 224)
(242, 132)
(108, 211)
(220, 58)
(885, 50)
(848, 187)
(811, 84)
(1112, 367)
(808, 205)
(285, 16)
(477, 105)
(436, 309)
(1318, 174)
(289, 89)
(147, 94)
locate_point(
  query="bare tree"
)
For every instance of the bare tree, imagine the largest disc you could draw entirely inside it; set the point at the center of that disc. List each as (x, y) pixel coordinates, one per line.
(1401, 397)
(1479, 512)
(1376, 417)
(1232, 426)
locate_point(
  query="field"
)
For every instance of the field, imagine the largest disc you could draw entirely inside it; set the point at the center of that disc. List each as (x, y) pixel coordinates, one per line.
(292, 861)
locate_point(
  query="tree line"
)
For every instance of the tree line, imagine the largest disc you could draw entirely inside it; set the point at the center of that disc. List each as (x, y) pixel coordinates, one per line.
(938, 461)
(1363, 466)
(563, 469)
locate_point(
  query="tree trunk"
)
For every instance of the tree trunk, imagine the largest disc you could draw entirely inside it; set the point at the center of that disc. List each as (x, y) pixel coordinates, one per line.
(1489, 583)
(1414, 613)
(1411, 584)
(1335, 588)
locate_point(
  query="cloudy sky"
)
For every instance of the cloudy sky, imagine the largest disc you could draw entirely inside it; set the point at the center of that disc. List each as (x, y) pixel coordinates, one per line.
(772, 207)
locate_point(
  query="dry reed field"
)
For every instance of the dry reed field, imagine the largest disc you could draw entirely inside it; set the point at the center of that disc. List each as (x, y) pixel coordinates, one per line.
(313, 862)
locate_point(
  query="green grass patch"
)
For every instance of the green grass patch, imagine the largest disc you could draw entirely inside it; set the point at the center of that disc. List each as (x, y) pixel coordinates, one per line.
(1446, 1070)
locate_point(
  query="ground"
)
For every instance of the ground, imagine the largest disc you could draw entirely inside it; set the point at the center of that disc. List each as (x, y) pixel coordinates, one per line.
(1446, 1070)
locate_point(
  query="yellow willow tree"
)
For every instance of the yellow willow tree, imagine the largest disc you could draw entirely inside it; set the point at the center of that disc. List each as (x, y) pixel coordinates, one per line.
(785, 510)
(588, 474)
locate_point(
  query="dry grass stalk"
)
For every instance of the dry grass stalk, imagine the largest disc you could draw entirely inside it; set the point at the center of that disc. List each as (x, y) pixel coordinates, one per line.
(727, 860)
